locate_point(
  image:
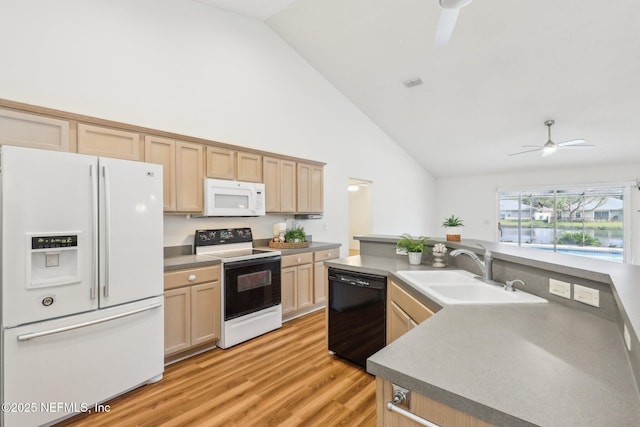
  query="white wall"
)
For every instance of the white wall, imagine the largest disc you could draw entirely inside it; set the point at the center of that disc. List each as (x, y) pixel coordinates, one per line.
(359, 212)
(474, 198)
(184, 67)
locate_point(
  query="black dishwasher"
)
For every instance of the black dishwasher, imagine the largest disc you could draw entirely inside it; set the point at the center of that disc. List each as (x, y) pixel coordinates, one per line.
(357, 314)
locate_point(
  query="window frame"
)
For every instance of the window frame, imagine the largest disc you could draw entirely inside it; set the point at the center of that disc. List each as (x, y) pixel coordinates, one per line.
(625, 186)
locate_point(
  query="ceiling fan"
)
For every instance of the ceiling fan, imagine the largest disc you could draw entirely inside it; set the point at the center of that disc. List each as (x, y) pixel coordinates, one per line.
(551, 147)
(448, 17)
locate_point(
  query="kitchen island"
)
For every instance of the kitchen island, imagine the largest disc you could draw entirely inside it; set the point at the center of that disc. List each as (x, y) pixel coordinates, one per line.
(527, 364)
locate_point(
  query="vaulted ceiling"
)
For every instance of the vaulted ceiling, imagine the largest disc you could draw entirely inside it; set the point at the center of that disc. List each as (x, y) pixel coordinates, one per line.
(509, 66)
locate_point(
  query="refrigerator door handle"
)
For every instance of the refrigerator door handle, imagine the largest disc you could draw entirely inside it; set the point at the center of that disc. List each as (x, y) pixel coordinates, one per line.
(94, 232)
(27, 337)
(107, 231)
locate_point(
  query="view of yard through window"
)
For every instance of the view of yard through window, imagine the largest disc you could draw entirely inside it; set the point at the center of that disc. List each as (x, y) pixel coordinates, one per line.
(585, 222)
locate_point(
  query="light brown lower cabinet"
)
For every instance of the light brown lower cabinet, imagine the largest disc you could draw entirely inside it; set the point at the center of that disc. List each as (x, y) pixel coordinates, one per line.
(304, 282)
(422, 406)
(320, 273)
(297, 283)
(192, 309)
(404, 312)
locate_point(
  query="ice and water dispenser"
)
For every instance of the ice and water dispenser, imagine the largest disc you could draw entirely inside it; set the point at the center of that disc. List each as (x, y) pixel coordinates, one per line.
(53, 260)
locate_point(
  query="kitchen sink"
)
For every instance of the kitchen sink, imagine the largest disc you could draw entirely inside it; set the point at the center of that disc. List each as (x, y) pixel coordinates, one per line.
(433, 276)
(453, 287)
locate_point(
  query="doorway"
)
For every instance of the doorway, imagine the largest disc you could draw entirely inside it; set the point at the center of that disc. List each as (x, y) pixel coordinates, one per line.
(359, 211)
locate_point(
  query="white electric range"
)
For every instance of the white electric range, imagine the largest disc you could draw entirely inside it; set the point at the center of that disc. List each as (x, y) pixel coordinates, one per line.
(251, 289)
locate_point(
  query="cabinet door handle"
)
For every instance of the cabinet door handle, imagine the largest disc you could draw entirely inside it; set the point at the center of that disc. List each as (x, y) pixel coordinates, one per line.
(410, 415)
(191, 278)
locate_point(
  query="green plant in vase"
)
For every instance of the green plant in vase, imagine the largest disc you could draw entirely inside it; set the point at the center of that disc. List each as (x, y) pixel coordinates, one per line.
(453, 224)
(413, 246)
(295, 235)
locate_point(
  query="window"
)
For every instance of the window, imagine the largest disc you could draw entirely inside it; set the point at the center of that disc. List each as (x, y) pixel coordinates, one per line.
(578, 221)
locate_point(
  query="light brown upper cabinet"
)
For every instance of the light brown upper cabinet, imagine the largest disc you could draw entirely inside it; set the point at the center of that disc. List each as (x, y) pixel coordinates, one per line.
(310, 188)
(220, 163)
(183, 172)
(223, 163)
(189, 177)
(162, 151)
(279, 177)
(248, 167)
(29, 130)
(107, 142)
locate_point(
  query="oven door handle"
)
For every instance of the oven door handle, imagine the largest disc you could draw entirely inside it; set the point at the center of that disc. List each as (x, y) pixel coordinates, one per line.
(246, 263)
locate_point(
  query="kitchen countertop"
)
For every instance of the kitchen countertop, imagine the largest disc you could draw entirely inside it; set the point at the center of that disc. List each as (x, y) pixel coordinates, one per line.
(539, 364)
(188, 261)
(179, 262)
(313, 246)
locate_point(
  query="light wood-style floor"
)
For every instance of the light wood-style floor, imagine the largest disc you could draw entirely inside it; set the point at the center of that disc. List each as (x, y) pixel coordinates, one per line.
(283, 378)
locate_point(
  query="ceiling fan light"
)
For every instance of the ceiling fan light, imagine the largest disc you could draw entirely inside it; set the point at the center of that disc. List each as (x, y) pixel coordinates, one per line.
(548, 149)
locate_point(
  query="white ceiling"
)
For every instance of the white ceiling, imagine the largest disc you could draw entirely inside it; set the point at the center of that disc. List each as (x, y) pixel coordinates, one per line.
(259, 9)
(509, 66)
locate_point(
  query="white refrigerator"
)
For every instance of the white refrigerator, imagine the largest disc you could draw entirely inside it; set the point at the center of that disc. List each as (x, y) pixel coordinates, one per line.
(82, 282)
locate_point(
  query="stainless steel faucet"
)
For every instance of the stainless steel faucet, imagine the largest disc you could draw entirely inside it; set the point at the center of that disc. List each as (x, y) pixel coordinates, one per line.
(486, 265)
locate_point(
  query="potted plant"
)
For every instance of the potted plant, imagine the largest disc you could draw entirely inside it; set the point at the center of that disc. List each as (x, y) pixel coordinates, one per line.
(295, 235)
(413, 246)
(453, 225)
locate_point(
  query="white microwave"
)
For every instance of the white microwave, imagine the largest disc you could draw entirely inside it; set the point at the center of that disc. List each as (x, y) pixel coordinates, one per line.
(233, 198)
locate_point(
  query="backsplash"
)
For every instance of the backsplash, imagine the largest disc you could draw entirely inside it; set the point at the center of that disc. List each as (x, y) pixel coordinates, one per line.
(179, 229)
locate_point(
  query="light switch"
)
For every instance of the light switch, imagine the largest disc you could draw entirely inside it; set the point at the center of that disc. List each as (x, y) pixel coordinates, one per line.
(560, 288)
(586, 295)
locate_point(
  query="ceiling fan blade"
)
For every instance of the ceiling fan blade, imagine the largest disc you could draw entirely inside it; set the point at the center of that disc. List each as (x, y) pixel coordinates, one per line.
(527, 151)
(446, 24)
(573, 147)
(571, 142)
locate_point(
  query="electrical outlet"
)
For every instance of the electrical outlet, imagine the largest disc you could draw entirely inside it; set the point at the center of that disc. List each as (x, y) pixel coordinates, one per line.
(627, 338)
(562, 289)
(586, 295)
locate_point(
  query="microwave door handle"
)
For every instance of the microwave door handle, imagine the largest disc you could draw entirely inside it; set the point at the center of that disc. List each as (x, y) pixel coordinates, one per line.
(252, 201)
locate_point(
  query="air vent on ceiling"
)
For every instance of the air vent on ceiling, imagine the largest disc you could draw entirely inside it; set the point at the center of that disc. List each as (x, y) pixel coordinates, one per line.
(413, 82)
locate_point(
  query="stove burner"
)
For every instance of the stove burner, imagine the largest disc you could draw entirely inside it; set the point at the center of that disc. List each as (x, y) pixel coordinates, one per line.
(229, 244)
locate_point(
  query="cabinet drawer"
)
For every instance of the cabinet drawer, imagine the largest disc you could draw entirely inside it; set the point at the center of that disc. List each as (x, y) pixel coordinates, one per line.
(326, 254)
(297, 259)
(191, 276)
(414, 308)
